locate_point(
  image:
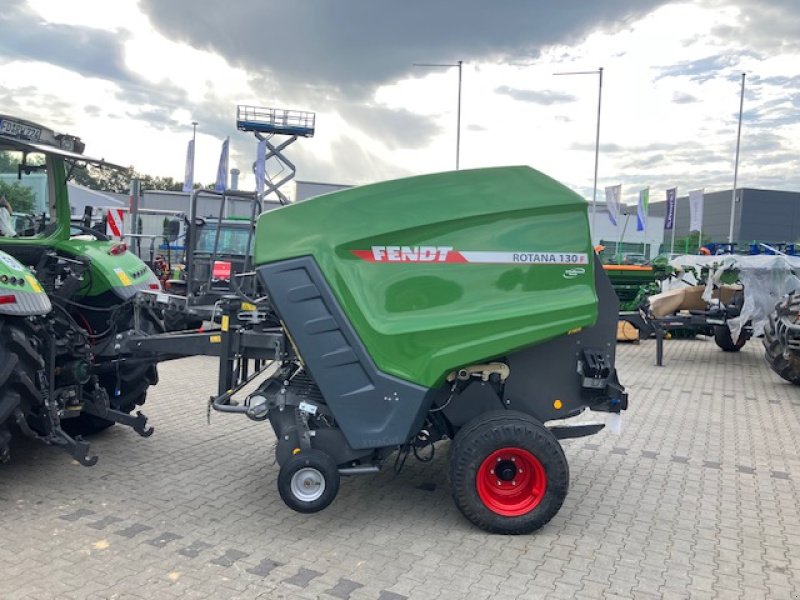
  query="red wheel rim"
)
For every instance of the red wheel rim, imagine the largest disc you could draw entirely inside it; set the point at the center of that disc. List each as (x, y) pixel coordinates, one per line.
(511, 482)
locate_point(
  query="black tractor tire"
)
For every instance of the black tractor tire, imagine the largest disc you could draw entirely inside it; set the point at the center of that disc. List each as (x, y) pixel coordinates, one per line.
(126, 387)
(309, 481)
(724, 340)
(20, 359)
(787, 368)
(508, 473)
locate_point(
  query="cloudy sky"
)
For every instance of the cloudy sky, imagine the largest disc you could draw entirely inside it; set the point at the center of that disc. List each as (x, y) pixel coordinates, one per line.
(130, 76)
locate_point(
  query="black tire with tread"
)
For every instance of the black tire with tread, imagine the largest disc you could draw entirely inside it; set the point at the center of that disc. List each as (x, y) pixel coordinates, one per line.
(787, 368)
(315, 459)
(498, 429)
(20, 359)
(724, 340)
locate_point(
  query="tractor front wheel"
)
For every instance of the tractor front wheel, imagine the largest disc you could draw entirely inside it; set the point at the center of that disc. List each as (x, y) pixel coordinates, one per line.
(724, 339)
(784, 362)
(508, 473)
(308, 481)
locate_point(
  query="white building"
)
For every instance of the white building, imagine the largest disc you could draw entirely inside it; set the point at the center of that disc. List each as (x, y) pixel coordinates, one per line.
(625, 234)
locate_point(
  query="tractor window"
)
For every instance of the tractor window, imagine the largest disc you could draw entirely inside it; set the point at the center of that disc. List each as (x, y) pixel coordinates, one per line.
(24, 185)
(232, 241)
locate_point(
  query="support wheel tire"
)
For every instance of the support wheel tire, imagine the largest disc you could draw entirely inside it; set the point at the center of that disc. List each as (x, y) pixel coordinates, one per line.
(308, 481)
(787, 368)
(508, 473)
(723, 338)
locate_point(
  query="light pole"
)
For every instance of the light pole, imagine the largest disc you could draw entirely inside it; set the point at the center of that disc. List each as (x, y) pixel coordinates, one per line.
(736, 164)
(597, 138)
(458, 115)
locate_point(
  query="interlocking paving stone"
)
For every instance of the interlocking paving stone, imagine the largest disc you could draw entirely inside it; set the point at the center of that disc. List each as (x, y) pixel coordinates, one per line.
(133, 530)
(344, 588)
(163, 539)
(105, 522)
(384, 595)
(78, 514)
(194, 549)
(265, 567)
(303, 577)
(230, 557)
(634, 525)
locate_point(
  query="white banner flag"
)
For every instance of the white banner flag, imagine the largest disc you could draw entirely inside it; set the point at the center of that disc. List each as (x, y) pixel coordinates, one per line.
(259, 167)
(696, 210)
(188, 175)
(222, 170)
(613, 193)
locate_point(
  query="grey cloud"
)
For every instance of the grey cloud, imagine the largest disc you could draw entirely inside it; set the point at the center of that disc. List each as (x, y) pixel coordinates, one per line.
(359, 45)
(545, 97)
(90, 52)
(700, 70)
(476, 128)
(768, 25)
(353, 165)
(605, 148)
(395, 128)
(683, 98)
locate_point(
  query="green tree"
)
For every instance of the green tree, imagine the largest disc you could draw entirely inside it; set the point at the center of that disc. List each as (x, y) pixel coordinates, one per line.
(691, 243)
(21, 197)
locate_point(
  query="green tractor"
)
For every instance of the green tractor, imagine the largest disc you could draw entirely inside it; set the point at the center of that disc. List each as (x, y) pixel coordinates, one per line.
(66, 299)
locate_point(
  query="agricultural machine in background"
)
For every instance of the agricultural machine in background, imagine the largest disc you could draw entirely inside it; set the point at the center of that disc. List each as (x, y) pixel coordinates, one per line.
(467, 306)
(64, 300)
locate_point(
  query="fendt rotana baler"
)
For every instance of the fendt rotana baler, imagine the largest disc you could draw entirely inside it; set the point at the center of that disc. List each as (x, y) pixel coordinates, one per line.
(466, 306)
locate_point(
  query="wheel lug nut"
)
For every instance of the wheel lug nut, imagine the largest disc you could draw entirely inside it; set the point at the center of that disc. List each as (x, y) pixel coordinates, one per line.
(513, 459)
(499, 482)
(491, 471)
(513, 483)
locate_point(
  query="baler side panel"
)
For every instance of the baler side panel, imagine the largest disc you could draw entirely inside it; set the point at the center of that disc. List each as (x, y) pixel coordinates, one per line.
(372, 409)
(490, 261)
(542, 374)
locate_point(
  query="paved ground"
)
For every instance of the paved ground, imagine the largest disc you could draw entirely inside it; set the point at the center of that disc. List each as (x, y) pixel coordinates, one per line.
(697, 498)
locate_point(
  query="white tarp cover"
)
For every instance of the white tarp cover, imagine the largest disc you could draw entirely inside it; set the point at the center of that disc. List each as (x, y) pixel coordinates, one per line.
(766, 279)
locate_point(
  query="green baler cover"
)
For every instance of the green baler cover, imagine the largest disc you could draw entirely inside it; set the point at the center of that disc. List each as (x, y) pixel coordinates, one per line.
(441, 271)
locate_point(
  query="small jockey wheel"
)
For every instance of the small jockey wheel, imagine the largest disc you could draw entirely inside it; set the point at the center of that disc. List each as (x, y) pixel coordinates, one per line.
(308, 481)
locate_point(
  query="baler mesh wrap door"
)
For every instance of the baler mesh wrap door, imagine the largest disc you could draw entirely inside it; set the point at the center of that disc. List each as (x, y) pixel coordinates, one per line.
(372, 409)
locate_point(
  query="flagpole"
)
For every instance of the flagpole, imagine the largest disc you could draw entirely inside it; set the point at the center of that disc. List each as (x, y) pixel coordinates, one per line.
(736, 164)
(646, 211)
(674, 223)
(700, 236)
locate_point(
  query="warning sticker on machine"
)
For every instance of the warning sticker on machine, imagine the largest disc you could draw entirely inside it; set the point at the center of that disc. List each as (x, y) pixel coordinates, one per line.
(11, 263)
(446, 254)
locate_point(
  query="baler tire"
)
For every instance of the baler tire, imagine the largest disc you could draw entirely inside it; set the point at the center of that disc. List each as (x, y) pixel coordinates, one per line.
(512, 439)
(787, 368)
(317, 466)
(724, 340)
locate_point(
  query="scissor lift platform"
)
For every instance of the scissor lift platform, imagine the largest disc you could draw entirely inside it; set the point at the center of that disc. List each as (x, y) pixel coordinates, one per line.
(275, 121)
